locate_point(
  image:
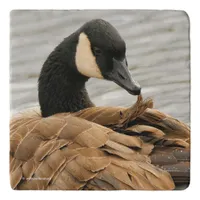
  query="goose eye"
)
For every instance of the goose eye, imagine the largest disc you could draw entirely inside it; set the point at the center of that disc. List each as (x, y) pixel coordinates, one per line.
(97, 51)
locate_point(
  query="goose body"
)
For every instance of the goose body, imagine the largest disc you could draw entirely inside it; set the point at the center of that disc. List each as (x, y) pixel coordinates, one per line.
(69, 144)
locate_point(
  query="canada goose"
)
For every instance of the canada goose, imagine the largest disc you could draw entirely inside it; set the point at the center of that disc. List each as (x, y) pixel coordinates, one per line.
(71, 144)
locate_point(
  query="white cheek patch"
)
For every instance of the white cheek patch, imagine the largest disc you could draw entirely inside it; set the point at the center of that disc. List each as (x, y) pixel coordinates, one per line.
(85, 60)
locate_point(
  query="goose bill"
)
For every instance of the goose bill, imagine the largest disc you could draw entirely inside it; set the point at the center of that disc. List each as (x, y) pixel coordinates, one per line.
(122, 77)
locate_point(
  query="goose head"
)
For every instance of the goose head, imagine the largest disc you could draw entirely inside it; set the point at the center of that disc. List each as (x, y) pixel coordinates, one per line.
(95, 50)
(101, 53)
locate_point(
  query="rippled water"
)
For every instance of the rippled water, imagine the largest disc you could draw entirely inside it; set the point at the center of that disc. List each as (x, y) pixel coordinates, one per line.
(157, 52)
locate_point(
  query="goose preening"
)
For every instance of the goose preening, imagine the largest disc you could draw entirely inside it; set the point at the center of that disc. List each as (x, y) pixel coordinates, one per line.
(70, 144)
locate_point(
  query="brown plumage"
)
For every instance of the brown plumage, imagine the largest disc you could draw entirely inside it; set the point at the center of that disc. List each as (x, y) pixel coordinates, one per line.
(99, 148)
(166, 139)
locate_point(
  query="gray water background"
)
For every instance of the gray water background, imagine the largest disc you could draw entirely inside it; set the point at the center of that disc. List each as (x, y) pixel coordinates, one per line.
(157, 52)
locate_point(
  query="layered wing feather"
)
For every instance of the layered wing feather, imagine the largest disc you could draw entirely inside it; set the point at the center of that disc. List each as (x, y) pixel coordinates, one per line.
(164, 139)
(66, 152)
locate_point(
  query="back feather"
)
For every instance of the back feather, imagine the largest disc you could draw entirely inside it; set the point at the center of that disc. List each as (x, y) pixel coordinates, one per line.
(164, 139)
(67, 152)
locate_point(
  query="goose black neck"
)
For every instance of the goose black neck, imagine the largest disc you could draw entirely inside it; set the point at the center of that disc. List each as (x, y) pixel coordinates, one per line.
(61, 87)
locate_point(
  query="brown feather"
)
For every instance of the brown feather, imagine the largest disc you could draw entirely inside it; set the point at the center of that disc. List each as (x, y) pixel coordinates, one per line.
(84, 150)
